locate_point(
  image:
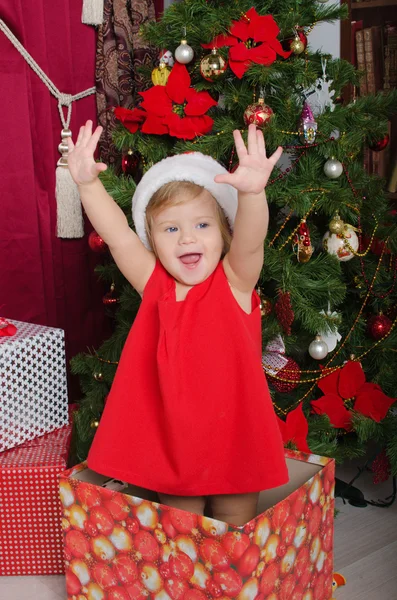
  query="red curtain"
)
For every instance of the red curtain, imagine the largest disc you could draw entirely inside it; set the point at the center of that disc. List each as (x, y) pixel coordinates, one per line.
(43, 279)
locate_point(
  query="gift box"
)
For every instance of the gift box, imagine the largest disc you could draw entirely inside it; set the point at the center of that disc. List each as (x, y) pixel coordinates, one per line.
(32, 382)
(121, 544)
(30, 515)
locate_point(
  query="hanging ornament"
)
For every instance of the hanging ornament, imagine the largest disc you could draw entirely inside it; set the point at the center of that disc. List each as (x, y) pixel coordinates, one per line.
(7, 329)
(378, 326)
(94, 424)
(320, 96)
(318, 349)
(336, 225)
(284, 313)
(98, 376)
(299, 36)
(322, 1)
(96, 243)
(160, 74)
(308, 125)
(336, 245)
(259, 114)
(330, 336)
(184, 53)
(166, 57)
(213, 66)
(292, 372)
(265, 303)
(333, 168)
(302, 245)
(381, 467)
(109, 298)
(380, 144)
(131, 164)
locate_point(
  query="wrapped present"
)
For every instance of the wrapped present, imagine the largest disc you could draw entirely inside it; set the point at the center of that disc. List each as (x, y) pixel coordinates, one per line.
(30, 517)
(32, 382)
(120, 543)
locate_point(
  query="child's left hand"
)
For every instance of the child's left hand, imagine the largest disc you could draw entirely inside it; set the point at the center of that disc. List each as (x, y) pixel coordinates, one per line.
(253, 172)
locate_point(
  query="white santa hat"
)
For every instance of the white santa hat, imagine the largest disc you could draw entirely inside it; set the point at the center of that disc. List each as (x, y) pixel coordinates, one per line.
(194, 167)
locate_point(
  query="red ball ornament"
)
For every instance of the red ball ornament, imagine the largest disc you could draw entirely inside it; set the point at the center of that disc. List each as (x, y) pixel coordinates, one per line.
(259, 114)
(378, 326)
(110, 298)
(131, 165)
(292, 372)
(96, 243)
(380, 144)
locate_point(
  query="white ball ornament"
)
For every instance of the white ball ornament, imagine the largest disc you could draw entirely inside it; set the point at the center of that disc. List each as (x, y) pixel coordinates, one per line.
(184, 53)
(333, 168)
(318, 349)
(336, 244)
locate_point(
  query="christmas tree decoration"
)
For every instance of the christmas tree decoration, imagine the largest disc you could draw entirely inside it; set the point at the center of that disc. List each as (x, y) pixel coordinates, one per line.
(265, 303)
(378, 326)
(7, 329)
(297, 46)
(184, 53)
(94, 424)
(287, 378)
(160, 74)
(320, 96)
(333, 168)
(381, 467)
(98, 376)
(308, 125)
(252, 39)
(131, 164)
(295, 429)
(96, 243)
(330, 336)
(336, 244)
(166, 57)
(302, 246)
(348, 384)
(336, 225)
(109, 298)
(258, 113)
(284, 312)
(318, 348)
(380, 144)
(213, 66)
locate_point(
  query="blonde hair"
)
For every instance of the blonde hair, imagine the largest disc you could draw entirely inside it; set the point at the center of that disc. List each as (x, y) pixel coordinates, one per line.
(177, 192)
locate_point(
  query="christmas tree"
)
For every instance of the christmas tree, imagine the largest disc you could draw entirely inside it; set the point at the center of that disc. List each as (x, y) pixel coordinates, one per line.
(329, 301)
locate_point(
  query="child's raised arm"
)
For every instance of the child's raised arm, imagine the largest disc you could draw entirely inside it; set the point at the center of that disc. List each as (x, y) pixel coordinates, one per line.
(133, 259)
(243, 262)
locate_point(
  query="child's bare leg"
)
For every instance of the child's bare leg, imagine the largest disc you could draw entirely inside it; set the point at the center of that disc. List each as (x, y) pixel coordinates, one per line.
(236, 509)
(193, 504)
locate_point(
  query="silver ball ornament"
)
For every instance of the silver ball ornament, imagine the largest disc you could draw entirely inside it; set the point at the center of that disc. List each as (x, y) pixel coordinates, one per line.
(318, 349)
(333, 168)
(322, 1)
(184, 53)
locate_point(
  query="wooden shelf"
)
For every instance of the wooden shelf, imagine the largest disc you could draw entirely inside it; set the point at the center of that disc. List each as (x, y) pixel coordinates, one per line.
(372, 4)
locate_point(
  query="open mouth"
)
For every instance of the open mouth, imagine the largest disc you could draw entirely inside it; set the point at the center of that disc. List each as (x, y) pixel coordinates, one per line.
(191, 259)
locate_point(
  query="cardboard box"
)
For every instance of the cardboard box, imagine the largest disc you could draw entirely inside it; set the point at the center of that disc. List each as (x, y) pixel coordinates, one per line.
(30, 517)
(33, 383)
(123, 545)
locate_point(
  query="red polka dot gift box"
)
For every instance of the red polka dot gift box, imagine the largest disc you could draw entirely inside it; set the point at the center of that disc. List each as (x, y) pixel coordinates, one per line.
(30, 515)
(121, 544)
(33, 386)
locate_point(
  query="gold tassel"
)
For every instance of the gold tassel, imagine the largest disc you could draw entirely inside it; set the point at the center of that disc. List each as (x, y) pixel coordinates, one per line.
(92, 12)
(69, 213)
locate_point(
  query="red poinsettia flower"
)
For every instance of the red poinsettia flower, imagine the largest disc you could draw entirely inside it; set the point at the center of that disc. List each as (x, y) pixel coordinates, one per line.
(174, 108)
(253, 39)
(295, 429)
(348, 383)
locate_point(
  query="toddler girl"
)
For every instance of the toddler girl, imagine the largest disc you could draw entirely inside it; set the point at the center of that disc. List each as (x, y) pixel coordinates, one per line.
(189, 413)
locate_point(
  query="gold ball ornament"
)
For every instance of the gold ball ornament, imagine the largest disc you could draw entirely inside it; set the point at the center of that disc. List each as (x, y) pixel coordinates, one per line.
(259, 114)
(297, 46)
(213, 66)
(265, 304)
(336, 224)
(160, 74)
(94, 424)
(98, 376)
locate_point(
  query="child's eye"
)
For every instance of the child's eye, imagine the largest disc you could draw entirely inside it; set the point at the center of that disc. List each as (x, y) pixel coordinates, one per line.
(172, 229)
(202, 225)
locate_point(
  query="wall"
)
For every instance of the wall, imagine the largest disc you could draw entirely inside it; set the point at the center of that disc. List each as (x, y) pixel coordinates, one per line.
(326, 36)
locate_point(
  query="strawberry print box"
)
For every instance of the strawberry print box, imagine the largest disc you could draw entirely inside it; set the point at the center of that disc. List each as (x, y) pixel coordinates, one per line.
(124, 545)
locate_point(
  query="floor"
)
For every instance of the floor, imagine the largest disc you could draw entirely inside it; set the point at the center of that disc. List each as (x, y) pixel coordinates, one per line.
(365, 551)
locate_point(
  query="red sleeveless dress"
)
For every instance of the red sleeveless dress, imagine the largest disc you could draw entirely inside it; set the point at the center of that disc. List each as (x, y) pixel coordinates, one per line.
(189, 412)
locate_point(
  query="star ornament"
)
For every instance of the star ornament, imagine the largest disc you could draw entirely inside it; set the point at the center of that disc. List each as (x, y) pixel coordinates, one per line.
(295, 429)
(253, 39)
(175, 109)
(348, 383)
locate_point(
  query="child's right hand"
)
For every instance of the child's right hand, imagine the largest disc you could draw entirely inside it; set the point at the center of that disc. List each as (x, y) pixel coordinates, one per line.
(82, 165)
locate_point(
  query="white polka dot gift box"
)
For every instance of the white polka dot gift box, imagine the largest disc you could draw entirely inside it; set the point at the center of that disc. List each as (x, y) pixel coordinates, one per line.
(30, 512)
(33, 386)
